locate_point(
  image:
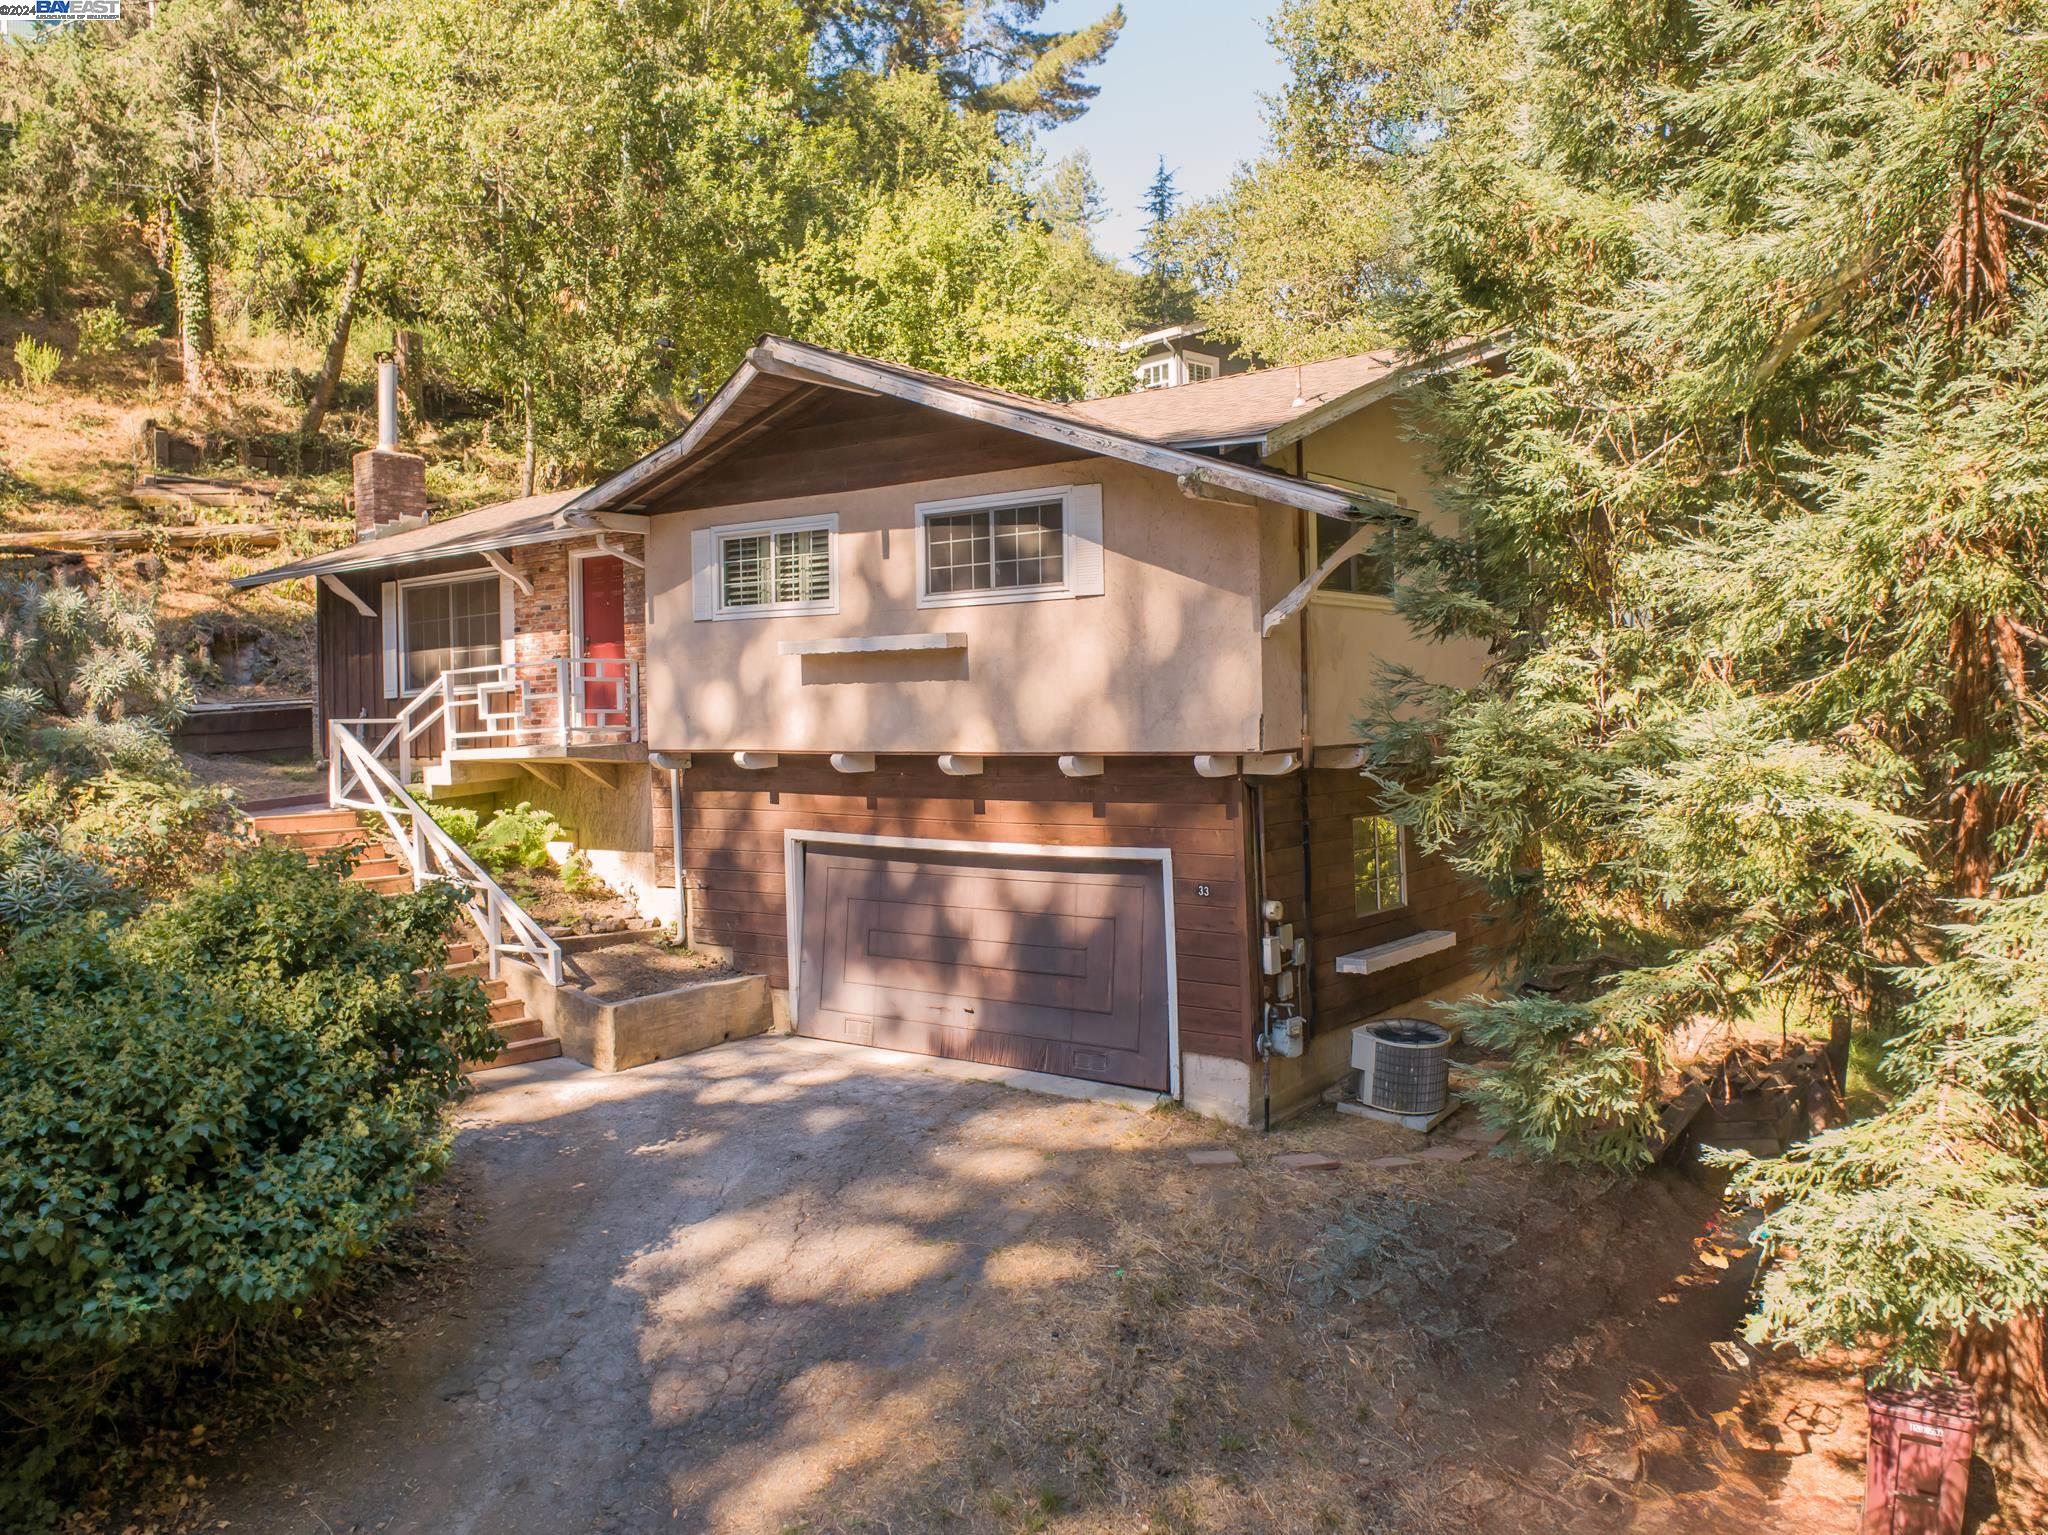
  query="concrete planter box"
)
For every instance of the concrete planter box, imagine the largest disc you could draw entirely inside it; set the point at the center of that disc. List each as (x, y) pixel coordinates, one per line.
(617, 1036)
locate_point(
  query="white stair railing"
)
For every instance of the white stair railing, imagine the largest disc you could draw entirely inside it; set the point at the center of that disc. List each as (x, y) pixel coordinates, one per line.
(356, 780)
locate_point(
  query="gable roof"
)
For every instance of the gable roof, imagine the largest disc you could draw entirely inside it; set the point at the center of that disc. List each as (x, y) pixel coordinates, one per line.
(1153, 428)
(778, 367)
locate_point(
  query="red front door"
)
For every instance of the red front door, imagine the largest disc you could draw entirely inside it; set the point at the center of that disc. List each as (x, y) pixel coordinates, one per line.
(601, 641)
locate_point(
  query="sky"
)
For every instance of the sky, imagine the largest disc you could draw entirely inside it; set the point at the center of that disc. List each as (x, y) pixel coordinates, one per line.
(1185, 80)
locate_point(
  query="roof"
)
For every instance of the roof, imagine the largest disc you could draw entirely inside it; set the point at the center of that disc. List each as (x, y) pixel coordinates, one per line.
(765, 382)
(529, 520)
(1153, 428)
(1261, 405)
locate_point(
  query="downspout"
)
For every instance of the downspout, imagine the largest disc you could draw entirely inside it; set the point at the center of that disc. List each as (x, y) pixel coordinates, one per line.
(676, 763)
(1308, 757)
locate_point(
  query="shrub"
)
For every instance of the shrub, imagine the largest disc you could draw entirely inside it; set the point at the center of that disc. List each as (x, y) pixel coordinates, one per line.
(204, 1117)
(41, 883)
(37, 361)
(517, 839)
(152, 834)
(101, 330)
(458, 821)
(577, 876)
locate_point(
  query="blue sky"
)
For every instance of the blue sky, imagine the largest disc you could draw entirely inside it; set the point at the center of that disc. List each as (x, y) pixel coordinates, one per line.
(1185, 80)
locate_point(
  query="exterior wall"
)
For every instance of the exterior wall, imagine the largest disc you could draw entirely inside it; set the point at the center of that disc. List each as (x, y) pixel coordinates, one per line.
(1350, 639)
(350, 657)
(1166, 661)
(1307, 859)
(733, 847)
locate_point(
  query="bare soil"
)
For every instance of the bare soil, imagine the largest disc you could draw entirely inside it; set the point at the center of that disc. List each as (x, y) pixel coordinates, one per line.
(592, 907)
(783, 1286)
(257, 778)
(641, 967)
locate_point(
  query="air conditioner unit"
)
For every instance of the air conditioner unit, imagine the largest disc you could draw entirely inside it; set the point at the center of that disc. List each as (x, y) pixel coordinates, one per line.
(1404, 1065)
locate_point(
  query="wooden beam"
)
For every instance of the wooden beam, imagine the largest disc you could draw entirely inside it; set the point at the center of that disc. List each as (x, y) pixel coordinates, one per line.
(1081, 766)
(504, 567)
(1216, 767)
(606, 546)
(853, 762)
(92, 540)
(348, 594)
(1196, 487)
(1289, 605)
(756, 761)
(1269, 764)
(542, 774)
(597, 772)
(959, 764)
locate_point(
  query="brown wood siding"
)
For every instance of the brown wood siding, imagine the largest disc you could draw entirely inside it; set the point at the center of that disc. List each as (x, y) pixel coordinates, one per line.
(1437, 898)
(841, 442)
(734, 820)
(259, 726)
(349, 661)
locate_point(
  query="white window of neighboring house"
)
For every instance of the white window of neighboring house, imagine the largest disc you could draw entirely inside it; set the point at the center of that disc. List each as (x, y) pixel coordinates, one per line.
(1016, 547)
(1157, 374)
(1379, 874)
(1200, 369)
(446, 626)
(759, 569)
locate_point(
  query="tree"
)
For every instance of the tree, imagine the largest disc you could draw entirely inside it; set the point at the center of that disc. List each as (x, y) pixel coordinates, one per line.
(1164, 295)
(1752, 523)
(985, 54)
(1070, 201)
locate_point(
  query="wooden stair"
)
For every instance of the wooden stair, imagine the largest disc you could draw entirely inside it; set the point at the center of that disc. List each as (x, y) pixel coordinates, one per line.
(316, 829)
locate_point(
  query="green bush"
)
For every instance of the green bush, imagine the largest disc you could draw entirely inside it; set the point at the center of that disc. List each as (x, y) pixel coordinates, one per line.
(41, 883)
(204, 1118)
(101, 330)
(517, 839)
(153, 835)
(37, 361)
(458, 821)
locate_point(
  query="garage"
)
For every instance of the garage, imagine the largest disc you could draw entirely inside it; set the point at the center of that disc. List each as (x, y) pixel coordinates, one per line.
(1056, 965)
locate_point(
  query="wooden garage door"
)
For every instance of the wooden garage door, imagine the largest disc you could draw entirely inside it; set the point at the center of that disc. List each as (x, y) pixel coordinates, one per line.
(1055, 965)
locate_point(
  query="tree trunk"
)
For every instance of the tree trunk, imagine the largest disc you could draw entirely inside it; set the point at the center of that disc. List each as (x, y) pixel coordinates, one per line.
(2008, 1366)
(1973, 660)
(337, 348)
(192, 277)
(527, 463)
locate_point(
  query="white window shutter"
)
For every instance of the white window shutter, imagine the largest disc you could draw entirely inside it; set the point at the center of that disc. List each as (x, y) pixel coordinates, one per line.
(507, 595)
(389, 609)
(703, 573)
(1084, 540)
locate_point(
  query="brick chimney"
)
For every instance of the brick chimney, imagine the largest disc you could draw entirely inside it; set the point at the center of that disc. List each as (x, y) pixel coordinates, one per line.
(391, 485)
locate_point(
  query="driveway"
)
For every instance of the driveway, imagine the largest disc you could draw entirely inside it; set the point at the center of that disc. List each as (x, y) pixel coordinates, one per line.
(787, 1286)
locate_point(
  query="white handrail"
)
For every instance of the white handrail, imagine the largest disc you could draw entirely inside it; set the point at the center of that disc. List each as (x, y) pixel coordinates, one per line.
(507, 930)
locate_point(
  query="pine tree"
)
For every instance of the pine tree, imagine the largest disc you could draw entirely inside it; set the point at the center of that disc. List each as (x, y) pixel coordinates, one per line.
(1164, 294)
(1070, 201)
(1754, 524)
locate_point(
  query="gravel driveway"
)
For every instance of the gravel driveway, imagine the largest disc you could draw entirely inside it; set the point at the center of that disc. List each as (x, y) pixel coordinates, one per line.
(703, 1289)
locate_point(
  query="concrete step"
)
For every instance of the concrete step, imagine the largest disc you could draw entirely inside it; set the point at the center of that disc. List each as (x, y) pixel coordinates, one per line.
(546, 1048)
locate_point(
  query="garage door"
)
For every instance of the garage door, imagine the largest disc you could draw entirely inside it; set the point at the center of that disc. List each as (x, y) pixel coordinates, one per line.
(1054, 965)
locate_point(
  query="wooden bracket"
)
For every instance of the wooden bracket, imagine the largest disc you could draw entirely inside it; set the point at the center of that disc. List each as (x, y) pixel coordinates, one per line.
(504, 567)
(348, 594)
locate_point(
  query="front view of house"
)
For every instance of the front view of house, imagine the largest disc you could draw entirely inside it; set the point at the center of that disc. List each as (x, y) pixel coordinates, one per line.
(985, 728)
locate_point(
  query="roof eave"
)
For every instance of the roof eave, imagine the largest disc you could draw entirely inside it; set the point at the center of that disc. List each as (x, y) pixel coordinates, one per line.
(1309, 423)
(337, 565)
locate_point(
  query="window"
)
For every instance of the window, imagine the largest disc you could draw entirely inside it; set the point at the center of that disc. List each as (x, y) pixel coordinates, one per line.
(1200, 369)
(1377, 876)
(1365, 574)
(775, 569)
(1014, 546)
(446, 626)
(996, 549)
(1156, 375)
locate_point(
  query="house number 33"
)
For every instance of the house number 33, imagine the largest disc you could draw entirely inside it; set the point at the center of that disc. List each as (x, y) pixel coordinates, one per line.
(1201, 890)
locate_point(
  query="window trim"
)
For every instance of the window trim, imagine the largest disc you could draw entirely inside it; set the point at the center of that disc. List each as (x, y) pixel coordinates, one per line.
(1401, 860)
(995, 501)
(1188, 362)
(407, 688)
(1322, 596)
(1172, 378)
(829, 521)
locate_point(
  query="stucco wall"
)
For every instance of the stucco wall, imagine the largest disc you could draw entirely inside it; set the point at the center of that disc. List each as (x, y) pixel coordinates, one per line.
(1351, 640)
(1166, 661)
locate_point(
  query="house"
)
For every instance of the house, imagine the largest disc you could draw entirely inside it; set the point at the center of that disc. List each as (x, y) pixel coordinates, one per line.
(1172, 355)
(984, 727)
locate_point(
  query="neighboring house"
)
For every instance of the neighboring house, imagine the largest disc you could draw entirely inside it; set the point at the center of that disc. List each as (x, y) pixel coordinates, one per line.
(984, 727)
(1181, 354)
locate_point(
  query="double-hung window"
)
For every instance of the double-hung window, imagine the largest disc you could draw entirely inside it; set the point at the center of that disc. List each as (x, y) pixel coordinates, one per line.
(446, 626)
(762, 569)
(1010, 548)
